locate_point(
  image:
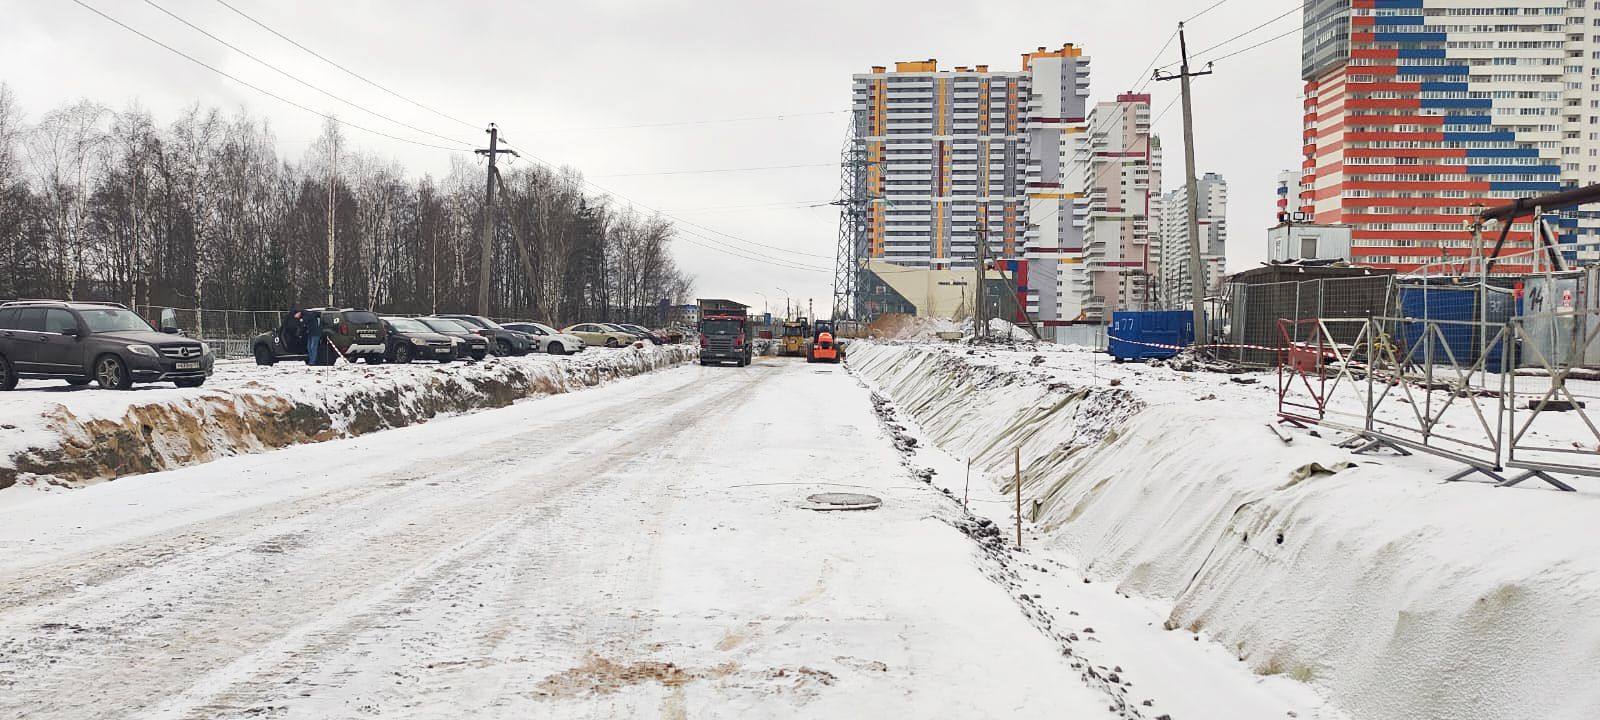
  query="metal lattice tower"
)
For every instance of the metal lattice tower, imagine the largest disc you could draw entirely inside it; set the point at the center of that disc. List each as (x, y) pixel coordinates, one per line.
(852, 202)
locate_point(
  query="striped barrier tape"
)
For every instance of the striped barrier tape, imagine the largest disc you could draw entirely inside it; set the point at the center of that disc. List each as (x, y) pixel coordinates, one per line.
(1230, 346)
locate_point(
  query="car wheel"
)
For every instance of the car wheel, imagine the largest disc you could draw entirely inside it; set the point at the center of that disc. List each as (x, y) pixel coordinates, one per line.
(78, 382)
(111, 373)
(264, 355)
(8, 378)
(189, 382)
(555, 348)
(502, 348)
(480, 354)
(611, 342)
(402, 354)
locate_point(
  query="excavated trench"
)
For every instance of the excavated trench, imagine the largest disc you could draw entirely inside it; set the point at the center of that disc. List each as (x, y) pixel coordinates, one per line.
(162, 435)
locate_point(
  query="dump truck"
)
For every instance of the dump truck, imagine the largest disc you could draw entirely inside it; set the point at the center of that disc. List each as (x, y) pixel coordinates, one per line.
(724, 332)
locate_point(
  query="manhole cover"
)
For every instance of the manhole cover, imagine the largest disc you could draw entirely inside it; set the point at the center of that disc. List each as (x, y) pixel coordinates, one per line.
(842, 501)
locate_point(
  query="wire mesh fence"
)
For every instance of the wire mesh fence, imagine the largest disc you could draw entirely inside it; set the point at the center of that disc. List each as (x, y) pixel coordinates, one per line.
(1250, 332)
(228, 332)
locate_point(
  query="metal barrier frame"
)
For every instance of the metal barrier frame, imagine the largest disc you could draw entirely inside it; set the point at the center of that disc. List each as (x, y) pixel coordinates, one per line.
(1586, 332)
(1375, 361)
(1407, 371)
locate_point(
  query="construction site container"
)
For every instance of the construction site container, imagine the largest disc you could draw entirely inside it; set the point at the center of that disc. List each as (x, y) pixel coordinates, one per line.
(1138, 335)
(1466, 315)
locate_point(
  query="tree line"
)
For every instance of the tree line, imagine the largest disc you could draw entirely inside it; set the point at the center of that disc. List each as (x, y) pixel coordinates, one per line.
(203, 212)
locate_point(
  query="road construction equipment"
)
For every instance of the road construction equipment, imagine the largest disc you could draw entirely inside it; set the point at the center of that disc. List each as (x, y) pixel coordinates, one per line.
(823, 349)
(794, 339)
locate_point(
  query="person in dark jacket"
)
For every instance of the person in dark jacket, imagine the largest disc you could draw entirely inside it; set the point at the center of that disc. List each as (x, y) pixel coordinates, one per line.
(293, 330)
(313, 325)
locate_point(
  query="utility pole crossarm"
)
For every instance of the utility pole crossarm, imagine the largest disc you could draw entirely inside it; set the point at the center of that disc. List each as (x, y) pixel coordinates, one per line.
(1197, 280)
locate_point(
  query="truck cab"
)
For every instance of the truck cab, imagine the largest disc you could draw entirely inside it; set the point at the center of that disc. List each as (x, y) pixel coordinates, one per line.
(724, 336)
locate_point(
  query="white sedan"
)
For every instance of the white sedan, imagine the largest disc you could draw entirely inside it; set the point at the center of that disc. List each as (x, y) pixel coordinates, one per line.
(549, 339)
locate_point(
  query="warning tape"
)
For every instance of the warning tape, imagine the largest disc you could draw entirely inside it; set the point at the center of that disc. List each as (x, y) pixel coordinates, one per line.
(1164, 346)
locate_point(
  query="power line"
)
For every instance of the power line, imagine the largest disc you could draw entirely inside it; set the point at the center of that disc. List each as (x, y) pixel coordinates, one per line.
(1213, 6)
(732, 250)
(1259, 44)
(284, 73)
(258, 89)
(707, 121)
(1286, 13)
(803, 203)
(348, 71)
(690, 236)
(720, 170)
(1144, 74)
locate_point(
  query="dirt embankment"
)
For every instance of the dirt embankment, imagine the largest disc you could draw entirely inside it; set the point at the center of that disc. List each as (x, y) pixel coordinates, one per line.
(257, 415)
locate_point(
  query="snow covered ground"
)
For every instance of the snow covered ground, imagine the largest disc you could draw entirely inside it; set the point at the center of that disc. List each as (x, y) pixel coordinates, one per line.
(642, 549)
(1392, 594)
(55, 434)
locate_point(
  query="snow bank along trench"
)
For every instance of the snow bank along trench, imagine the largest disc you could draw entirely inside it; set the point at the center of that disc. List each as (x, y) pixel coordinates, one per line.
(72, 437)
(1394, 595)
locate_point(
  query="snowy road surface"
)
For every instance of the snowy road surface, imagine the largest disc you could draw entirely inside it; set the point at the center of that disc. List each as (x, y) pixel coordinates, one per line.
(637, 550)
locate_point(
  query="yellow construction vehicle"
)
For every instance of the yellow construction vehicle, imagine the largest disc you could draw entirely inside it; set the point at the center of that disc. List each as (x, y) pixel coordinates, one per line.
(794, 338)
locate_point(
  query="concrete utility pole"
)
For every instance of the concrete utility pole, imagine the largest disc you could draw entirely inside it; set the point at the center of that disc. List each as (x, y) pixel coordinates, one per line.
(333, 173)
(489, 221)
(1197, 280)
(980, 325)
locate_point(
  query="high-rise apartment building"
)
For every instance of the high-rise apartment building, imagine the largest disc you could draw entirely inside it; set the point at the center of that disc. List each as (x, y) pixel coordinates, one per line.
(953, 156)
(1290, 192)
(1118, 174)
(1212, 193)
(1416, 111)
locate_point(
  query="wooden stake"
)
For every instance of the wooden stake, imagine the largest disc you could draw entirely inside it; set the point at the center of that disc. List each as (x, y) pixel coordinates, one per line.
(966, 489)
(1017, 481)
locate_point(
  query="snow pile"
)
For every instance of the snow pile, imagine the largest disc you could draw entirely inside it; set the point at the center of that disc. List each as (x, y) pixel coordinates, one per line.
(913, 328)
(1006, 332)
(1395, 595)
(51, 433)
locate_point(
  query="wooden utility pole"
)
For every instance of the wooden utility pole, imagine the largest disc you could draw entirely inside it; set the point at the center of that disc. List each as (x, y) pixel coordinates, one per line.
(486, 244)
(333, 172)
(1197, 281)
(1017, 483)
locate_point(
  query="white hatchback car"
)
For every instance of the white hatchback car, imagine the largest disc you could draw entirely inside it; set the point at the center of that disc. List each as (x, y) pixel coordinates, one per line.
(549, 339)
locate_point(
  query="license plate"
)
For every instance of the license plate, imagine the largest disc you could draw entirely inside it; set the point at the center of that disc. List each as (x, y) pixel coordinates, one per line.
(367, 334)
(442, 351)
(188, 366)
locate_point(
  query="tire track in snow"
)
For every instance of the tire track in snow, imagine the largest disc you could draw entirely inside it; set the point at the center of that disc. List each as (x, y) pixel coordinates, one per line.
(201, 600)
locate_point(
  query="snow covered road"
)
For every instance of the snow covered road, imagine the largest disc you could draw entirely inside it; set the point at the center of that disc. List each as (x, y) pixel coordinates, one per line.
(635, 550)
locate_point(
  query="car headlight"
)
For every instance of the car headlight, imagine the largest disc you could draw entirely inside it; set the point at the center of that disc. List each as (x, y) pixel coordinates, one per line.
(418, 341)
(205, 349)
(144, 350)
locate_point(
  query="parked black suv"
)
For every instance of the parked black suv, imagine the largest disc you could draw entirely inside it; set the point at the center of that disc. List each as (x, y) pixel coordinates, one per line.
(506, 342)
(103, 342)
(411, 340)
(351, 332)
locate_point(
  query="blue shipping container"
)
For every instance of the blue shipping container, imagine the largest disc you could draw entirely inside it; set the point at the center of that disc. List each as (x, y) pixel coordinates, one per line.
(1139, 335)
(1460, 342)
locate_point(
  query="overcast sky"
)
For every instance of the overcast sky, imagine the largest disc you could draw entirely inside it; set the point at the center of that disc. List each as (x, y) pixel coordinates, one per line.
(559, 77)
